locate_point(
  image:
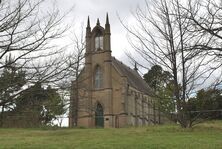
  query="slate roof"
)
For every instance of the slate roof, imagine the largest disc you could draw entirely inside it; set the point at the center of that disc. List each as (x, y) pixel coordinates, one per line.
(133, 77)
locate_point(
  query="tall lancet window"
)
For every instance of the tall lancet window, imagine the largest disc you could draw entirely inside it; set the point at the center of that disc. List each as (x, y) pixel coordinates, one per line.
(98, 77)
(99, 41)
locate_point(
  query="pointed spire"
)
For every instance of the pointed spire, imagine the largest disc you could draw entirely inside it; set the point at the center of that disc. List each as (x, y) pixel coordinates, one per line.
(98, 22)
(107, 18)
(88, 28)
(88, 22)
(107, 26)
(135, 67)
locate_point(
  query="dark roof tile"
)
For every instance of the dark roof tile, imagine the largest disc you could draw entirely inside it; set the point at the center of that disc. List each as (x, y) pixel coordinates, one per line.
(133, 77)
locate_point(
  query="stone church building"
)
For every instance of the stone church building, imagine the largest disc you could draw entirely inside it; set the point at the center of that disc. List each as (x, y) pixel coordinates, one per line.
(109, 93)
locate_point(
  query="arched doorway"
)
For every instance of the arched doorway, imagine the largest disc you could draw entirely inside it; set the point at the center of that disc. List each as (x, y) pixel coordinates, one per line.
(99, 116)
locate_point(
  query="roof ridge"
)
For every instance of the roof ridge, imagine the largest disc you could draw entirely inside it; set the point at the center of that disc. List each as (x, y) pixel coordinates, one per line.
(125, 65)
(133, 77)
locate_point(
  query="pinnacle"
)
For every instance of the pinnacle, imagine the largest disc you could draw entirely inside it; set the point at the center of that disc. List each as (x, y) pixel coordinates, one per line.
(107, 18)
(98, 22)
(88, 22)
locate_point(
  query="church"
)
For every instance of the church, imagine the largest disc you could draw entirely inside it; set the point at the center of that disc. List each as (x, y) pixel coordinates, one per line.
(109, 93)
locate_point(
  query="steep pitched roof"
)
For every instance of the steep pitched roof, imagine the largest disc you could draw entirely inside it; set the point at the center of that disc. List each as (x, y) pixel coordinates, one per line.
(133, 77)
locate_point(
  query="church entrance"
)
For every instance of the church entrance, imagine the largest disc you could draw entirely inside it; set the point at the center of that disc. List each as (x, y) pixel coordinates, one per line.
(99, 116)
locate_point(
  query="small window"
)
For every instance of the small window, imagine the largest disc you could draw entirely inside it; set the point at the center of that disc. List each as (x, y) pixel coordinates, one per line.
(98, 77)
(99, 43)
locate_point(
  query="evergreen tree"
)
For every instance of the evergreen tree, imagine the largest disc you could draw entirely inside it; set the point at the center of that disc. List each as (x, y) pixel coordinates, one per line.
(38, 106)
(161, 82)
(12, 79)
(206, 105)
(30, 107)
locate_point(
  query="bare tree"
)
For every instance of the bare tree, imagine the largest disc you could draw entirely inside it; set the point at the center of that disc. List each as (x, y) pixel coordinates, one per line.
(30, 35)
(206, 21)
(27, 33)
(70, 82)
(162, 36)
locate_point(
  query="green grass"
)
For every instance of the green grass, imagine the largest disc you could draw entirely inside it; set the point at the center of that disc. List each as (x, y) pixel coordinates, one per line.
(203, 136)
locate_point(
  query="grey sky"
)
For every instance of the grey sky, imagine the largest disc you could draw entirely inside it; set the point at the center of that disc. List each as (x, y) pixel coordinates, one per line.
(97, 9)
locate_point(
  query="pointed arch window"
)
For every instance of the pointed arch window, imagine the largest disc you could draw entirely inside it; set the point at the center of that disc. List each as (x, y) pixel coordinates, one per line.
(99, 116)
(98, 79)
(99, 43)
(99, 40)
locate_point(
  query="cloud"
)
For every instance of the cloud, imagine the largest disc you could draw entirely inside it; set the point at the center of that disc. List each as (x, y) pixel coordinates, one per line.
(98, 9)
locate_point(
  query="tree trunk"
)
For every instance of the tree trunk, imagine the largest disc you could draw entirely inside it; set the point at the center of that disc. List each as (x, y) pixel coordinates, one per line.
(2, 115)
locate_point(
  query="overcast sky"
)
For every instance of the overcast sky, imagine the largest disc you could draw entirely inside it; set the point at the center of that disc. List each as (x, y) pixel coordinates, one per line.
(98, 9)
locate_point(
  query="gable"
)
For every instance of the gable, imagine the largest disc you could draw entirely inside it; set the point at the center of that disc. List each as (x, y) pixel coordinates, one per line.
(133, 77)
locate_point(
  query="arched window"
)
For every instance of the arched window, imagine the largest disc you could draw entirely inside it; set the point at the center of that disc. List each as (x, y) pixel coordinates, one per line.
(99, 40)
(98, 77)
(99, 116)
(99, 43)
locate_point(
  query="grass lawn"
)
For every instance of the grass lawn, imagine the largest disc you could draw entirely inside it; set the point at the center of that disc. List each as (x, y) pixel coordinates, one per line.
(203, 136)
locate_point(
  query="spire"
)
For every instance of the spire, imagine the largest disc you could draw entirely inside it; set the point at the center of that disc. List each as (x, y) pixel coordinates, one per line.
(98, 22)
(135, 67)
(88, 28)
(107, 18)
(88, 23)
(107, 26)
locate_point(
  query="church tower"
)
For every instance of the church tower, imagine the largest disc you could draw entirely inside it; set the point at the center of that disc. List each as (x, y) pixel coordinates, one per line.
(110, 94)
(98, 65)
